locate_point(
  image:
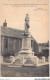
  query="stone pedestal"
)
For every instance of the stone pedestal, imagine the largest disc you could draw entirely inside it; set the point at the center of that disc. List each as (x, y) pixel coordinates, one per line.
(26, 46)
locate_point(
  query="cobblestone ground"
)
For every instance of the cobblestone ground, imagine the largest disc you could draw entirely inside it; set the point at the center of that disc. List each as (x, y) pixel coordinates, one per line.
(42, 71)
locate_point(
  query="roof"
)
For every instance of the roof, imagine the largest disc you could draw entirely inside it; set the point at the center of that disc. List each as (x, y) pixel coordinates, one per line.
(10, 32)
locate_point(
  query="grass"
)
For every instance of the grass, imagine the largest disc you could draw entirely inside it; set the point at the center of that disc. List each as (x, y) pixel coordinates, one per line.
(42, 71)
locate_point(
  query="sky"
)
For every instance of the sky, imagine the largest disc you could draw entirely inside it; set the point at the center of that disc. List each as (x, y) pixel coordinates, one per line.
(38, 11)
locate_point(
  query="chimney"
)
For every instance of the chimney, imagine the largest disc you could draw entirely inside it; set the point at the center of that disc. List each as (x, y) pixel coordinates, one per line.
(5, 24)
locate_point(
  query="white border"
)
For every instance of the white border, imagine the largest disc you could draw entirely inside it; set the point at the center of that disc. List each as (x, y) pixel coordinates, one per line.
(49, 38)
(24, 78)
(0, 38)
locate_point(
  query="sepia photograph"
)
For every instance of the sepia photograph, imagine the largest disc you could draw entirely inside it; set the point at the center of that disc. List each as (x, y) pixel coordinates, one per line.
(24, 38)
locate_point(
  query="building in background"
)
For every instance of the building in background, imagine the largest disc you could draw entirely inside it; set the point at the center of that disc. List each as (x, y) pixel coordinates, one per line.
(11, 41)
(44, 49)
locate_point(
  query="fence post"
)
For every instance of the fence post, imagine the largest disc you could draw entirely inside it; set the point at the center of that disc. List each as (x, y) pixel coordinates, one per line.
(1, 59)
(43, 59)
(12, 58)
(35, 59)
(23, 61)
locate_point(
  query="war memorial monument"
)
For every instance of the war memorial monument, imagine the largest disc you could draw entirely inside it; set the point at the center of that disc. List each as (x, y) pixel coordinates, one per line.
(26, 55)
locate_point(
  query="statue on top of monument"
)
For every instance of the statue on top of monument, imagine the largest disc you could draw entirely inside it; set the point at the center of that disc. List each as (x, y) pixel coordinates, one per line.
(27, 23)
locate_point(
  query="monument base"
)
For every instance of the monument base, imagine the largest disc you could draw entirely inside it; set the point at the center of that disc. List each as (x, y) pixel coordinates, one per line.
(26, 58)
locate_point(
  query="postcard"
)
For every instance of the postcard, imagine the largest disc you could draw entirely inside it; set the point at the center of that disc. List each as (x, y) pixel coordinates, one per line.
(24, 38)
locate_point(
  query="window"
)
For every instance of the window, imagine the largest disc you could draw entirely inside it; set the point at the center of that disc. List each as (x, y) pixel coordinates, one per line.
(6, 43)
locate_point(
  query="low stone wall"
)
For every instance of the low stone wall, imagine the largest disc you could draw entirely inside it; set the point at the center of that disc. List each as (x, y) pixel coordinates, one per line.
(34, 61)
